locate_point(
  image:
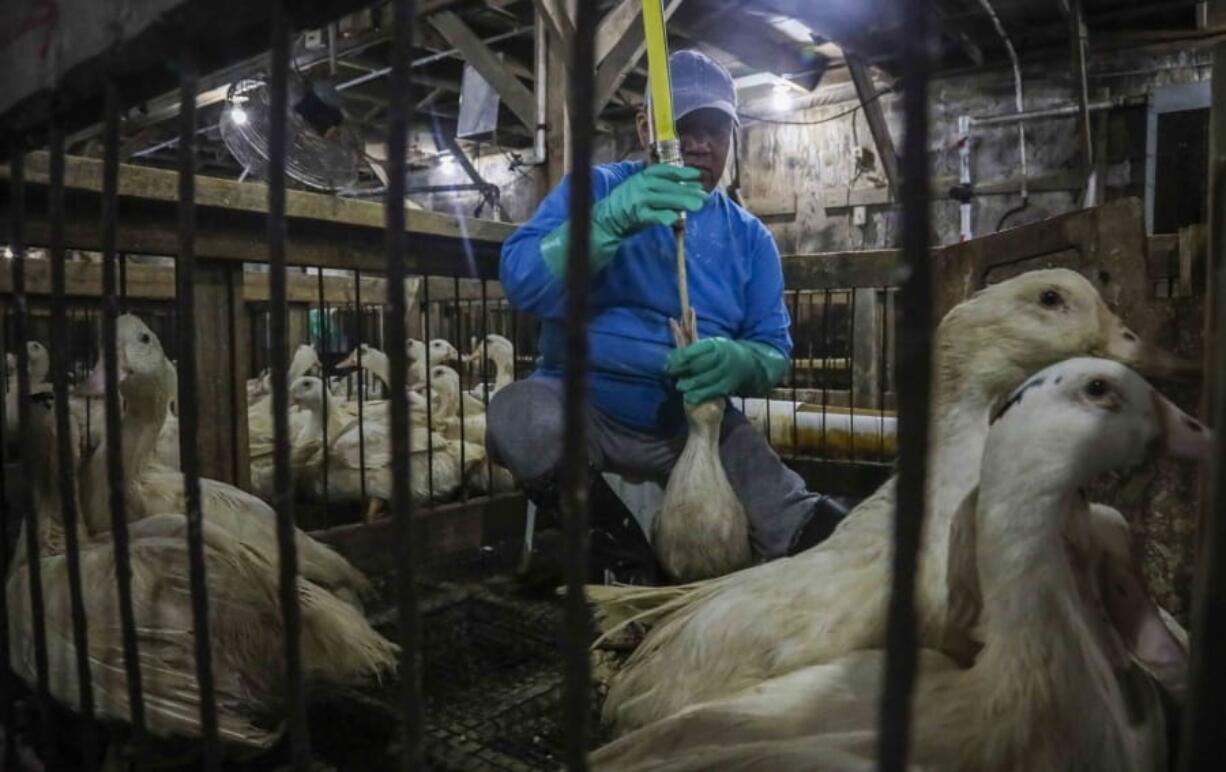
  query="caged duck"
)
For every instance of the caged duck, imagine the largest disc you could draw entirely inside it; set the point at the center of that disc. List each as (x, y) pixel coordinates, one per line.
(1060, 678)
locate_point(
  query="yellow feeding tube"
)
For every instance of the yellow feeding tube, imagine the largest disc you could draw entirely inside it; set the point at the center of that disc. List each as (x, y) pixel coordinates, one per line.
(656, 37)
(665, 144)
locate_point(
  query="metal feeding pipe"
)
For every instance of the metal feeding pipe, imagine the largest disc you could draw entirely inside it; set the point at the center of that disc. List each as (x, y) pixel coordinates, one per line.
(1021, 128)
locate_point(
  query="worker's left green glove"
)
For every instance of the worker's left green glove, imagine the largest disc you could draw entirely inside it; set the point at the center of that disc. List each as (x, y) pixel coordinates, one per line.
(719, 367)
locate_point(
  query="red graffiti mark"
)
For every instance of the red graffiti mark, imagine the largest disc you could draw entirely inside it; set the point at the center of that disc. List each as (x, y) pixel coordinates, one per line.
(45, 16)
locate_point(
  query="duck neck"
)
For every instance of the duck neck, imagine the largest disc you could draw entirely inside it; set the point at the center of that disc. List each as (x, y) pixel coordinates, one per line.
(504, 373)
(959, 433)
(376, 363)
(146, 405)
(1039, 650)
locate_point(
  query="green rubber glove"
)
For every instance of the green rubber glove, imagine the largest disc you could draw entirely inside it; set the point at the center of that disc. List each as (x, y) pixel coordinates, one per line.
(655, 196)
(719, 367)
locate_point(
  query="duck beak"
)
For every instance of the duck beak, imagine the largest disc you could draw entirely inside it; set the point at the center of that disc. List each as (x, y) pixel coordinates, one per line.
(1182, 436)
(1124, 345)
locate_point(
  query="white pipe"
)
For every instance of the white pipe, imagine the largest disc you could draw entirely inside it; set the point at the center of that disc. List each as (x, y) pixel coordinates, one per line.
(797, 427)
(541, 67)
(965, 227)
(1017, 86)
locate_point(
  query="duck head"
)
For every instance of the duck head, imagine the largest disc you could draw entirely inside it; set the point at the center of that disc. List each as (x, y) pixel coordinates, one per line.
(307, 391)
(305, 360)
(142, 364)
(1100, 415)
(40, 362)
(415, 349)
(1007, 331)
(441, 352)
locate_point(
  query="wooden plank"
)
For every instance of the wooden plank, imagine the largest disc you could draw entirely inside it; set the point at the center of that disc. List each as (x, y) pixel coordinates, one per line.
(614, 26)
(622, 58)
(866, 341)
(842, 270)
(221, 391)
(845, 198)
(776, 205)
(440, 532)
(558, 22)
(513, 93)
(875, 117)
(145, 183)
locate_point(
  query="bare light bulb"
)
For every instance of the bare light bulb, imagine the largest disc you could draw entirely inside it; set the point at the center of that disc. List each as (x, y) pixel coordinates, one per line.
(448, 161)
(238, 115)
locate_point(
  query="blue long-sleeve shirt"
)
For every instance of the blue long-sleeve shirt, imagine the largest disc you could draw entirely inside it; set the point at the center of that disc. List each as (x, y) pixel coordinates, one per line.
(736, 289)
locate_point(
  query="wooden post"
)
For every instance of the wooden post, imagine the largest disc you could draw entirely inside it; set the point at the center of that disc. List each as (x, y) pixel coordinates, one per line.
(222, 356)
(866, 376)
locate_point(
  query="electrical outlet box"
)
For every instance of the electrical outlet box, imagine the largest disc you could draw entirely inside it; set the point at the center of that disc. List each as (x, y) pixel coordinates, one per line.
(859, 216)
(313, 39)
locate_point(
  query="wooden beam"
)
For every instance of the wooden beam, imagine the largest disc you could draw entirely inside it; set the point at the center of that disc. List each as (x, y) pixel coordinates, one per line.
(614, 26)
(751, 39)
(623, 57)
(558, 22)
(143, 183)
(513, 93)
(875, 117)
(221, 364)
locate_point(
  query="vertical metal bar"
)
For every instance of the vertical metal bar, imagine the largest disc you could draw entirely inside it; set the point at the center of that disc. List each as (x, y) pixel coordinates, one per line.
(64, 450)
(851, 369)
(914, 368)
(795, 404)
(825, 376)
(459, 336)
(576, 702)
(882, 371)
(185, 294)
(111, 412)
(399, 116)
(7, 759)
(327, 393)
(357, 298)
(123, 282)
(425, 331)
(283, 500)
(20, 334)
(485, 364)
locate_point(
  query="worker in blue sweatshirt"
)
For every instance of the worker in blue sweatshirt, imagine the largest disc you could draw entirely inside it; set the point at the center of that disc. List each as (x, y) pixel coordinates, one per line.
(638, 379)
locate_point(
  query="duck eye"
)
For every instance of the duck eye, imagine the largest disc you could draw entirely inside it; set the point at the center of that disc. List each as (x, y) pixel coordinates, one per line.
(144, 338)
(1051, 299)
(1097, 388)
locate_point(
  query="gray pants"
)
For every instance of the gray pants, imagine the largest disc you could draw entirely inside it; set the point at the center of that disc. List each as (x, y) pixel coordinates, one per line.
(524, 432)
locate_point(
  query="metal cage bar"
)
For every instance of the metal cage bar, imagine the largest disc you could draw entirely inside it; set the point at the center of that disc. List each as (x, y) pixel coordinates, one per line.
(327, 393)
(577, 625)
(30, 522)
(399, 116)
(111, 411)
(283, 499)
(914, 368)
(64, 445)
(185, 291)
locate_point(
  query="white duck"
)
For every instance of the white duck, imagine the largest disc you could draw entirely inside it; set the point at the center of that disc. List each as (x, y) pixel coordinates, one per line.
(501, 352)
(1054, 685)
(776, 617)
(245, 621)
(259, 415)
(436, 469)
(147, 383)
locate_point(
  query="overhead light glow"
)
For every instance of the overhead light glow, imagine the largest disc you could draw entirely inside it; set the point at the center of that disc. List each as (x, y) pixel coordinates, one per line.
(781, 97)
(8, 252)
(238, 115)
(448, 161)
